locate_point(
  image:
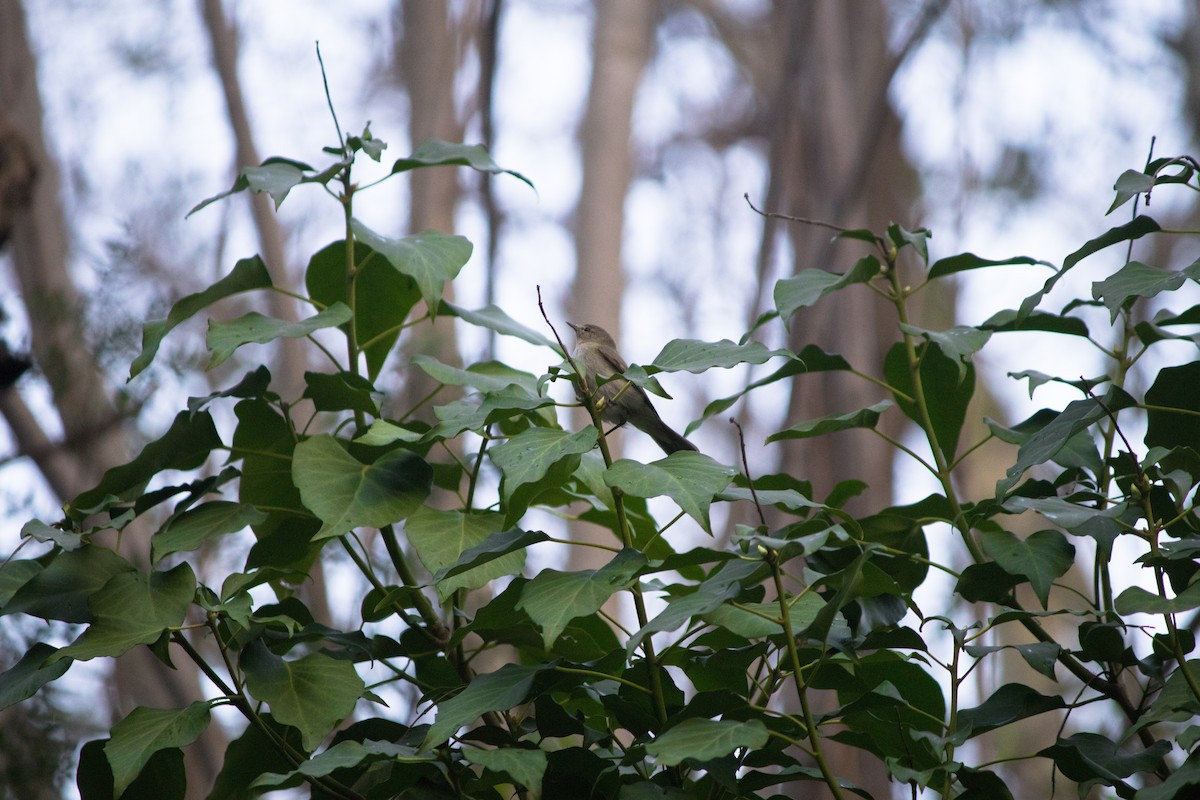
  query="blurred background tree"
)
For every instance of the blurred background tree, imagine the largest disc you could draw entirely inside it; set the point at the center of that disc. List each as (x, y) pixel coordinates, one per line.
(642, 123)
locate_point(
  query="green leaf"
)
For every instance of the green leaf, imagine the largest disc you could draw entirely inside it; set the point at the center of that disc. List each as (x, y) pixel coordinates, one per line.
(1008, 704)
(1130, 184)
(1136, 279)
(497, 544)
(1135, 229)
(495, 319)
(341, 391)
(691, 479)
(195, 527)
(23, 679)
(525, 766)
(133, 608)
(758, 620)
(62, 589)
(1088, 756)
(1136, 600)
(696, 356)
(437, 153)
(441, 537)
(487, 376)
(276, 177)
(429, 258)
(863, 418)
(810, 285)
(724, 584)
(223, 338)
(250, 755)
(958, 343)
(501, 690)
(312, 693)
(145, 732)
(526, 458)
(1040, 558)
(383, 297)
(965, 261)
(948, 384)
(1006, 322)
(705, 739)
(247, 275)
(347, 494)
(552, 599)
(1173, 419)
(1046, 443)
(185, 446)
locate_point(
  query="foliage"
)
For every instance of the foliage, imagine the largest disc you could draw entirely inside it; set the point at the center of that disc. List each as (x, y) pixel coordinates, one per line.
(711, 694)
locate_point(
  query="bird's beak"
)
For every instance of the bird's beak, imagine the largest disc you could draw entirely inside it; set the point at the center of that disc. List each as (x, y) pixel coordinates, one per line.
(574, 327)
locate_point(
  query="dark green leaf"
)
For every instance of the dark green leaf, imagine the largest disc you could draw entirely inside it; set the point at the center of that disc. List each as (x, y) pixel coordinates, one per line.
(690, 479)
(1090, 756)
(958, 343)
(1136, 600)
(1130, 184)
(224, 338)
(525, 766)
(429, 258)
(23, 679)
(342, 391)
(441, 537)
(437, 153)
(1006, 322)
(347, 494)
(696, 356)
(1006, 705)
(706, 739)
(965, 261)
(195, 527)
(1173, 419)
(552, 599)
(948, 385)
(185, 446)
(863, 418)
(145, 732)
(496, 545)
(495, 319)
(131, 609)
(247, 275)
(1136, 279)
(61, 590)
(1040, 558)
(501, 690)
(525, 460)
(810, 285)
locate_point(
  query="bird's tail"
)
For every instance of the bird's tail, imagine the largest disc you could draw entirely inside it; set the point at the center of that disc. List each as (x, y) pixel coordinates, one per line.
(669, 440)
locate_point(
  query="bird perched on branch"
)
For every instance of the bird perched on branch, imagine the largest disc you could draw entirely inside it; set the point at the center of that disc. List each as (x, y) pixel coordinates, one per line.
(619, 400)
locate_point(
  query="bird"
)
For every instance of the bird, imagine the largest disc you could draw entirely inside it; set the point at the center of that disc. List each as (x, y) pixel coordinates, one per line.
(619, 401)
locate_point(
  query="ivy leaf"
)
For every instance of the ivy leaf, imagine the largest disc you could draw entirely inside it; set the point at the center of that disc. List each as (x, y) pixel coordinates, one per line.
(185, 446)
(346, 494)
(195, 527)
(526, 458)
(429, 258)
(223, 338)
(276, 177)
(1088, 756)
(1045, 444)
(691, 479)
(1006, 321)
(552, 599)
(495, 319)
(1135, 229)
(965, 261)
(1008, 704)
(312, 693)
(958, 343)
(497, 544)
(62, 588)
(1136, 279)
(383, 297)
(705, 739)
(1172, 419)
(693, 355)
(488, 376)
(1130, 184)
(145, 732)
(948, 384)
(863, 418)
(1136, 600)
(247, 275)
(131, 609)
(524, 765)
(1040, 557)
(23, 679)
(441, 537)
(501, 690)
(810, 285)
(437, 153)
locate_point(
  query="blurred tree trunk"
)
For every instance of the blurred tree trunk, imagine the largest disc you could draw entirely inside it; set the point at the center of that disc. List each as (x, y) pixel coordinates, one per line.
(835, 155)
(93, 436)
(430, 47)
(622, 40)
(288, 371)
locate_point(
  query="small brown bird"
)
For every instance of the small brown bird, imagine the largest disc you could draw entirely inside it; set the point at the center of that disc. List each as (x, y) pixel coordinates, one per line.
(620, 401)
